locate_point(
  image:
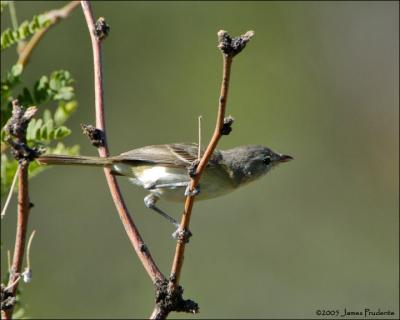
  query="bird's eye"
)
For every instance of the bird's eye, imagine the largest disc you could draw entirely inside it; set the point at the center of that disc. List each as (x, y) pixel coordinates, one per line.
(267, 160)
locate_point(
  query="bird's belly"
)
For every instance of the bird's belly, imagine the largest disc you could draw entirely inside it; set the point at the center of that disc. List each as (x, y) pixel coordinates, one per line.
(170, 183)
(212, 184)
(178, 194)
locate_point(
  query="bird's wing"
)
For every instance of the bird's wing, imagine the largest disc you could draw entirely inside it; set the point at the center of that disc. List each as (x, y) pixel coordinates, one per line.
(173, 155)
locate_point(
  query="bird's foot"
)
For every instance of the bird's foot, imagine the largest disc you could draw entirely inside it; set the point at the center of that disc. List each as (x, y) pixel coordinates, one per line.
(182, 235)
(192, 193)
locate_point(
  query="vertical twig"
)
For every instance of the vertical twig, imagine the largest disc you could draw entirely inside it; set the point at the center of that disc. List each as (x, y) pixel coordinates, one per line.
(230, 47)
(20, 237)
(199, 145)
(28, 250)
(180, 247)
(8, 260)
(17, 129)
(130, 228)
(13, 15)
(23, 213)
(16, 136)
(14, 23)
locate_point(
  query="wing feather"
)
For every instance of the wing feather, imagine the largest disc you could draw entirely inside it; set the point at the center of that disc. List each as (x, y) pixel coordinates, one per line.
(173, 155)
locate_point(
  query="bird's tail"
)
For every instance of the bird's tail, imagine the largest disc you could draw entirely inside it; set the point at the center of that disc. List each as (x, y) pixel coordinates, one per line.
(58, 159)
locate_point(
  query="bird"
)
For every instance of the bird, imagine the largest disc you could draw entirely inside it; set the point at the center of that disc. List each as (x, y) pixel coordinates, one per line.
(162, 169)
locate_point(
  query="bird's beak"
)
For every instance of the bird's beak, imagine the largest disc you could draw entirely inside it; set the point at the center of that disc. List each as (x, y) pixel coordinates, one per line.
(284, 158)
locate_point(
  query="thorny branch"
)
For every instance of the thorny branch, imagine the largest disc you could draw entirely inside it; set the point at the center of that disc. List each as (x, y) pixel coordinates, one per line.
(230, 47)
(98, 31)
(16, 131)
(16, 136)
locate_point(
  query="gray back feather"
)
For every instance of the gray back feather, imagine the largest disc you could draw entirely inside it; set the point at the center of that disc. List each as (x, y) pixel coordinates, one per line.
(173, 155)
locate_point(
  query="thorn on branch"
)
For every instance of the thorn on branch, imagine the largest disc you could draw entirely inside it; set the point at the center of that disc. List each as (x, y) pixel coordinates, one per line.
(16, 129)
(143, 247)
(232, 46)
(168, 299)
(193, 167)
(181, 235)
(172, 278)
(96, 136)
(101, 29)
(227, 126)
(8, 300)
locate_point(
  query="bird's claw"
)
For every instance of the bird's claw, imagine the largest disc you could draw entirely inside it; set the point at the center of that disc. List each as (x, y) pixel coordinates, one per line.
(192, 193)
(182, 235)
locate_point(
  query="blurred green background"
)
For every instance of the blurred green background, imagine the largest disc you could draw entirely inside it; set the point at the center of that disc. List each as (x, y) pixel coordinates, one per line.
(319, 81)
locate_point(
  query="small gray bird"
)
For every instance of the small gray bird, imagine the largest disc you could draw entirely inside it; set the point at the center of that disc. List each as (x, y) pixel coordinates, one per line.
(163, 169)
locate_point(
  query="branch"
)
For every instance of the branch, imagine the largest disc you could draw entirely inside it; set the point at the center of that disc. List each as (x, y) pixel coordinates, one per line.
(55, 16)
(230, 47)
(180, 247)
(19, 247)
(97, 32)
(16, 131)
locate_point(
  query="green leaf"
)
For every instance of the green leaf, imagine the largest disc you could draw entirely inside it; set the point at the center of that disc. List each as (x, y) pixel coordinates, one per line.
(61, 132)
(47, 116)
(10, 37)
(45, 130)
(40, 90)
(20, 313)
(64, 93)
(11, 79)
(64, 111)
(32, 132)
(16, 70)
(3, 134)
(56, 87)
(41, 131)
(43, 134)
(49, 124)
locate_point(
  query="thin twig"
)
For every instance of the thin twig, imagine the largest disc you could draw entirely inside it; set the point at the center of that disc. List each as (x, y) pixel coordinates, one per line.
(199, 145)
(15, 129)
(12, 284)
(9, 260)
(130, 228)
(22, 223)
(10, 193)
(180, 247)
(13, 15)
(14, 22)
(27, 274)
(55, 16)
(28, 250)
(229, 47)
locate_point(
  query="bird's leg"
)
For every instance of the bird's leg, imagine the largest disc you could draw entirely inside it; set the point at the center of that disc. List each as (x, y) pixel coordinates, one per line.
(150, 202)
